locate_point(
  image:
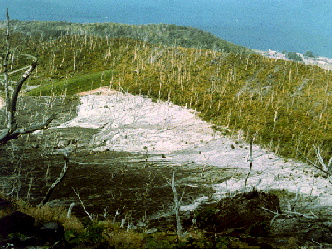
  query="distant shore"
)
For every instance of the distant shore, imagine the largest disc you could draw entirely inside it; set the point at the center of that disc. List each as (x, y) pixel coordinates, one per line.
(323, 62)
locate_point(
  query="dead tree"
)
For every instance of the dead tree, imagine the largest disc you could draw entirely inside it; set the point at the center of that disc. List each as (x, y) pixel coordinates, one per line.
(12, 132)
(177, 204)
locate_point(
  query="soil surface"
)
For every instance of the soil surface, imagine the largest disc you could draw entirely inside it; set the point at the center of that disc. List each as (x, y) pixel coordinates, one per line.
(107, 182)
(127, 185)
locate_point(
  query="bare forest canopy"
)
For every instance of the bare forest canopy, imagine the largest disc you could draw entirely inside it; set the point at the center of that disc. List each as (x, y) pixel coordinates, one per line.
(285, 105)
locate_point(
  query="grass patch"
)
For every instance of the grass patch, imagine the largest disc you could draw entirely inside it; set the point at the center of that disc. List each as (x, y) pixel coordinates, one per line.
(75, 84)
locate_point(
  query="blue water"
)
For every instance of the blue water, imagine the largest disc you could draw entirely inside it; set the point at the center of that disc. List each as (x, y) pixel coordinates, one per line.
(291, 25)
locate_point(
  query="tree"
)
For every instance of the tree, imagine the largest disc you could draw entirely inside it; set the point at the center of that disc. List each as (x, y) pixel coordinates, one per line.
(294, 56)
(309, 54)
(12, 132)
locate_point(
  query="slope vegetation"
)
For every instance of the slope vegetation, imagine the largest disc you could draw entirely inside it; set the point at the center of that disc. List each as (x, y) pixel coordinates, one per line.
(159, 34)
(284, 105)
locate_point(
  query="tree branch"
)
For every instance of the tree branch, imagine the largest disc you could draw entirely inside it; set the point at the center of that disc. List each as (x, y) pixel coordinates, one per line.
(6, 135)
(83, 204)
(62, 175)
(24, 77)
(313, 164)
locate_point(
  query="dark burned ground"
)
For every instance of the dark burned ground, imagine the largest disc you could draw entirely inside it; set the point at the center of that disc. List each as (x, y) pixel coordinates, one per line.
(135, 188)
(106, 181)
(131, 184)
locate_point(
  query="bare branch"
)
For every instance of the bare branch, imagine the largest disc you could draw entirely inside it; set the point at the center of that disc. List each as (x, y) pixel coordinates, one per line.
(83, 205)
(289, 213)
(24, 77)
(320, 159)
(6, 135)
(30, 56)
(69, 210)
(21, 69)
(327, 167)
(12, 108)
(62, 175)
(312, 163)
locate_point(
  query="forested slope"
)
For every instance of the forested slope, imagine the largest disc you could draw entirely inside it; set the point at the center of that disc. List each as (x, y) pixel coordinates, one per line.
(284, 105)
(159, 34)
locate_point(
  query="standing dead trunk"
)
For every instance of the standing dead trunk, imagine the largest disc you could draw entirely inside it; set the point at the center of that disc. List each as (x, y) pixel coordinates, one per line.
(177, 204)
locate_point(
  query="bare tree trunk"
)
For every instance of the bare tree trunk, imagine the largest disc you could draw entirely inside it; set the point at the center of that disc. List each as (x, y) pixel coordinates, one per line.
(177, 204)
(5, 69)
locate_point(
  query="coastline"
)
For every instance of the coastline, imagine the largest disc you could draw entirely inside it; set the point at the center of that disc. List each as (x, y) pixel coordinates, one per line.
(323, 62)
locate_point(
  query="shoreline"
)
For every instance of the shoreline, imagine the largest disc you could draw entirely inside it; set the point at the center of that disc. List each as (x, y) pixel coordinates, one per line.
(321, 61)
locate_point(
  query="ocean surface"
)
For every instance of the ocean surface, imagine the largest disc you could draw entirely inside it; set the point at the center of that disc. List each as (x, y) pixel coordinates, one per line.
(297, 25)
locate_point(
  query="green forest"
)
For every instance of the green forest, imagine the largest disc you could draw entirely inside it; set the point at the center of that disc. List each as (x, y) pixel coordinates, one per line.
(283, 105)
(159, 34)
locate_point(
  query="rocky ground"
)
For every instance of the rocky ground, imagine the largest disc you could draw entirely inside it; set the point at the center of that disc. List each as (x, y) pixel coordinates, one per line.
(132, 185)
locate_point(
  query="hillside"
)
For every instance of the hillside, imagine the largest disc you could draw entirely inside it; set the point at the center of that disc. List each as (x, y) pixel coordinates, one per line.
(159, 34)
(284, 105)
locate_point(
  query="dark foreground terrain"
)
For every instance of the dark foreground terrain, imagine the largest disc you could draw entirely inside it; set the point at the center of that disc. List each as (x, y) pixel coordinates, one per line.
(106, 181)
(120, 185)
